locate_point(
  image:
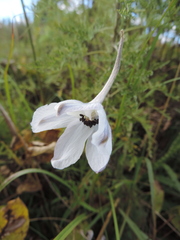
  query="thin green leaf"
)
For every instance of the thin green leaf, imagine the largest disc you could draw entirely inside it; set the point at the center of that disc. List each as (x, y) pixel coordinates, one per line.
(152, 190)
(72, 80)
(21, 95)
(114, 216)
(173, 176)
(101, 213)
(120, 114)
(32, 170)
(167, 182)
(170, 80)
(88, 207)
(140, 235)
(69, 228)
(38, 233)
(151, 181)
(6, 80)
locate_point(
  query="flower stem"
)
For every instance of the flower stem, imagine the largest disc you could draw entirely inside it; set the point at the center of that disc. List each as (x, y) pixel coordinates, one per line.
(29, 32)
(6, 81)
(101, 96)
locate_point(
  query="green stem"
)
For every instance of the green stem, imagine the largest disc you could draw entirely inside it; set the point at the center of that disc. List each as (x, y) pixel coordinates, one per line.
(29, 32)
(72, 81)
(33, 49)
(6, 83)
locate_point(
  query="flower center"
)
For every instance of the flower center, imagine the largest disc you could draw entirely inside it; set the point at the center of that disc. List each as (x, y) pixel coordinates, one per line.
(87, 121)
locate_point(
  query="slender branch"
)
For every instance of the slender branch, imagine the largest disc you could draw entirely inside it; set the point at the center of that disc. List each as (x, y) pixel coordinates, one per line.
(163, 219)
(48, 219)
(108, 218)
(101, 96)
(12, 127)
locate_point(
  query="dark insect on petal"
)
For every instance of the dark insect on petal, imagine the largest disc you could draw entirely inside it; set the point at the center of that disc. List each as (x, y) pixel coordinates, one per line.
(88, 122)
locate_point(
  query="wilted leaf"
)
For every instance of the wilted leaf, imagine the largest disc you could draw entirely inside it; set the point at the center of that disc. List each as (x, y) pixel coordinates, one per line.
(29, 185)
(40, 148)
(14, 220)
(5, 171)
(16, 143)
(158, 196)
(49, 136)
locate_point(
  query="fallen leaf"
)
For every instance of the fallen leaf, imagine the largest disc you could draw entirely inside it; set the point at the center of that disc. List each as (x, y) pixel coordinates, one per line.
(29, 185)
(14, 220)
(49, 136)
(16, 144)
(5, 171)
(38, 150)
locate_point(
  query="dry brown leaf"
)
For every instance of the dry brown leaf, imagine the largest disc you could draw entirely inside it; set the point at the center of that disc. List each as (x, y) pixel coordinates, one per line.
(49, 136)
(16, 144)
(41, 149)
(5, 171)
(167, 124)
(29, 185)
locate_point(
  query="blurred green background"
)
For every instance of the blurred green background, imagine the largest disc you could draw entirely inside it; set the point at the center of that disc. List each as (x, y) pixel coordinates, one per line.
(67, 51)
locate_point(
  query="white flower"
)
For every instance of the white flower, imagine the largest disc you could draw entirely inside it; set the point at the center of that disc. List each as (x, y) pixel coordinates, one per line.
(86, 126)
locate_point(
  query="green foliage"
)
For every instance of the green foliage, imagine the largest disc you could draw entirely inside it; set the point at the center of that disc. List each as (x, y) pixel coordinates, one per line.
(68, 229)
(172, 152)
(135, 196)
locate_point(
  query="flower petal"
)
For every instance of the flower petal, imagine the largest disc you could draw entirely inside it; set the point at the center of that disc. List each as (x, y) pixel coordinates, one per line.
(46, 118)
(67, 106)
(104, 130)
(99, 145)
(70, 145)
(75, 107)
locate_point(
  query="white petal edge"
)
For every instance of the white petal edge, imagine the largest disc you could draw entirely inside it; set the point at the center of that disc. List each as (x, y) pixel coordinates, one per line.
(67, 105)
(45, 118)
(70, 145)
(98, 155)
(104, 130)
(75, 107)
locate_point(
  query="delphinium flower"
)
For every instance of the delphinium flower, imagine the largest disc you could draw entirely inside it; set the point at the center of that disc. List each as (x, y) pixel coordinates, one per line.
(86, 126)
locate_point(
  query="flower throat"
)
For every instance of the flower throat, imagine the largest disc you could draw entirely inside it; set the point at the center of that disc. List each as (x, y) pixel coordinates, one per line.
(87, 121)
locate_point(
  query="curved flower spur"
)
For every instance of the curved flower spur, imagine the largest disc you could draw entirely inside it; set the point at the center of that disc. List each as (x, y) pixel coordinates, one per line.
(84, 123)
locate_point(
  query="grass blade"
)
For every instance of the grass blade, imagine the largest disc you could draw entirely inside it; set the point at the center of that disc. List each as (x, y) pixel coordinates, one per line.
(6, 81)
(114, 216)
(69, 228)
(33, 170)
(72, 81)
(140, 235)
(152, 190)
(21, 96)
(173, 176)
